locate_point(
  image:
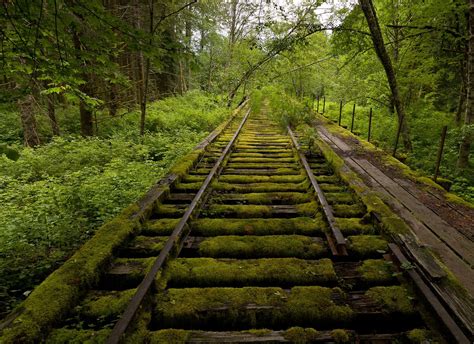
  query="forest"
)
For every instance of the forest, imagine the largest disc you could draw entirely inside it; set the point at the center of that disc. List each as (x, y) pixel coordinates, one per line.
(98, 98)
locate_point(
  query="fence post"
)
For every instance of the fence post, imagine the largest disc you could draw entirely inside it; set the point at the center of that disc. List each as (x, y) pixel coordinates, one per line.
(340, 113)
(317, 107)
(370, 125)
(353, 114)
(324, 104)
(440, 151)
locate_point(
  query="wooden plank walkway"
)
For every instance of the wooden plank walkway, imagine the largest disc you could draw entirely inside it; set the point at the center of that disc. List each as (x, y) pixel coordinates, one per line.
(455, 250)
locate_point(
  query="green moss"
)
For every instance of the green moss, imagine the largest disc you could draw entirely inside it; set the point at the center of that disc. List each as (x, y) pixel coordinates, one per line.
(259, 332)
(205, 272)
(239, 211)
(297, 225)
(61, 291)
(105, 304)
(376, 271)
(259, 166)
(394, 299)
(242, 179)
(146, 246)
(70, 336)
(169, 336)
(262, 155)
(261, 160)
(186, 163)
(168, 210)
(367, 245)
(266, 197)
(341, 336)
(160, 227)
(332, 188)
(183, 307)
(200, 306)
(299, 335)
(327, 179)
(315, 305)
(348, 210)
(232, 246)
(345, 197)
(262, 187)
(354, 226)
(129, 271)
(187, 187)
(309, 209)
(193, 178)
(418, 336)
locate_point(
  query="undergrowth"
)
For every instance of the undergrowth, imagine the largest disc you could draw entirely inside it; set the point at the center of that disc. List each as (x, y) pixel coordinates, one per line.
(55, 196)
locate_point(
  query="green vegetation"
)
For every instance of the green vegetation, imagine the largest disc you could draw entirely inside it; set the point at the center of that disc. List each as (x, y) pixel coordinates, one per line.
(232, 246)
(99, 306)
(63, 336)
(376, 271)
(300, 335)
(418, 336)
(297, 225)
(205, 272)
(367, 245)
(61, 291)
(392, 299)
(303, 305)
(55, 196)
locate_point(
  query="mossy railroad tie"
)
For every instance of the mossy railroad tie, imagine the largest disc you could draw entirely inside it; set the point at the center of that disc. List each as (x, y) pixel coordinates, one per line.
(256, 265)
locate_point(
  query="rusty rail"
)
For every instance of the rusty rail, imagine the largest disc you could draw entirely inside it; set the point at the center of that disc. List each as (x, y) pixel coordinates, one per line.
(127, 317)
(339, 247)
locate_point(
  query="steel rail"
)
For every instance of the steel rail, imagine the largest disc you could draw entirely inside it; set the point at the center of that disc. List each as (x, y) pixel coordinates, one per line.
(125, 320)
(340, 248)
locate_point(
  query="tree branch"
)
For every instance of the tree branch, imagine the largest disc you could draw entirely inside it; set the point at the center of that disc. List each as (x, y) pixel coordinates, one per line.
(427, 27)
(182, 8)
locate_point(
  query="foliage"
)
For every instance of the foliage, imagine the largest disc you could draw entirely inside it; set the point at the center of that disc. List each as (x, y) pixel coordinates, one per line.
(55, 196)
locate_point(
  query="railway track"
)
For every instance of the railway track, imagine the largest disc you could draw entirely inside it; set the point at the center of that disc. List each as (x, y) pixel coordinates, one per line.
(259, 242)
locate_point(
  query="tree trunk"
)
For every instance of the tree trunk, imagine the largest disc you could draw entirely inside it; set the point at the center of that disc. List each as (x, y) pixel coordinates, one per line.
(27, 107)
(113, 101)
(52, 115)
(376, 34)
(85, 112)
(464, 148)
(146, 64)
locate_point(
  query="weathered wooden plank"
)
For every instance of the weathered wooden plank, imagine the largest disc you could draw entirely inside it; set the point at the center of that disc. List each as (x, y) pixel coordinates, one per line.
(463, 248)
(436, 305)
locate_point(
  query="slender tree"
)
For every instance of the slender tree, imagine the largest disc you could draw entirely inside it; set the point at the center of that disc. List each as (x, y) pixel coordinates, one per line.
(376, 34)
(464, 148)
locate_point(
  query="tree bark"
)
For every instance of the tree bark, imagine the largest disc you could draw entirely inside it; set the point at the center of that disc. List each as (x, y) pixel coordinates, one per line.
(376, 34)
(27, 107)
(85, 112)
(52, 115)
(464, 148)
